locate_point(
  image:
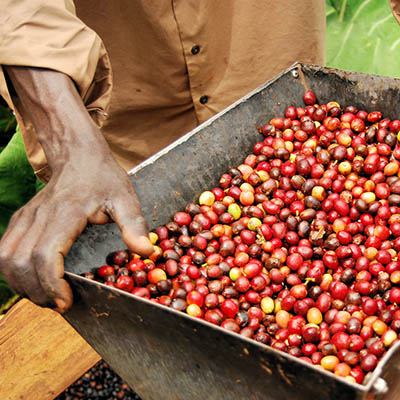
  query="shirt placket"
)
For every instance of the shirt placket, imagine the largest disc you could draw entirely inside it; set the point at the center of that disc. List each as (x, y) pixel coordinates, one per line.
(194, 48)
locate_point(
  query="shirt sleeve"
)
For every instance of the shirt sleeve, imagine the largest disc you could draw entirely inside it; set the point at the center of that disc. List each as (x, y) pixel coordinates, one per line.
(48, 34)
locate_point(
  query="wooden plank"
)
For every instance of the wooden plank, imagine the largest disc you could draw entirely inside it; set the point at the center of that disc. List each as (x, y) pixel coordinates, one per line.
(40, 353)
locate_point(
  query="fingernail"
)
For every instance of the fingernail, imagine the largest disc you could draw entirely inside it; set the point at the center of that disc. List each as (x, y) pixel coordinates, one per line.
(144, 241)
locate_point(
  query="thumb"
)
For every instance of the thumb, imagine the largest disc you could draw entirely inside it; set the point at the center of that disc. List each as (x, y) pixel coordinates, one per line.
(127, 214)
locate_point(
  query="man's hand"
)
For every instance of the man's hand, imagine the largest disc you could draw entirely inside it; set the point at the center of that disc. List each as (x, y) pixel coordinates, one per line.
(41, 233)
(87, 185)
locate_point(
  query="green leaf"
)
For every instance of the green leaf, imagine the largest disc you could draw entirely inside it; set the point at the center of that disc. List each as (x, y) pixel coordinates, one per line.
(335, 4)
(8, 303)
(17, 185)
(17, 180)
(8, 125)
(8, 122)
(363, 35)
(4, 112)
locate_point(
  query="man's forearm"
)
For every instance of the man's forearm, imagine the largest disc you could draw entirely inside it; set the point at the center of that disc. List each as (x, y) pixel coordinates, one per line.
(64, 127)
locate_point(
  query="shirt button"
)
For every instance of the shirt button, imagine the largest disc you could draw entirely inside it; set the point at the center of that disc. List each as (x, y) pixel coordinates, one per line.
(195, 49)
(203, 99)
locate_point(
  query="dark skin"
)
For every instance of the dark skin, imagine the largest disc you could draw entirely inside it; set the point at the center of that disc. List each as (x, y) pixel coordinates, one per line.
(87, 185)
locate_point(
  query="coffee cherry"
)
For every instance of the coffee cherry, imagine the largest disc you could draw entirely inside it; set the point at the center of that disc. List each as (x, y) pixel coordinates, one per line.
(229, 308)
(105, 270)
(368, 362)
(309, 97)
(329, 362)
(125, 283)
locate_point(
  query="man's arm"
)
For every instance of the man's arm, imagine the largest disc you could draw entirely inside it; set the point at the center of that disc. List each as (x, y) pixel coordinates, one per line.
(87, 185)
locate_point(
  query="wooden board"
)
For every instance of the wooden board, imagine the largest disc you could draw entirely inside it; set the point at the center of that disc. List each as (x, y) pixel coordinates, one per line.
(40, 353)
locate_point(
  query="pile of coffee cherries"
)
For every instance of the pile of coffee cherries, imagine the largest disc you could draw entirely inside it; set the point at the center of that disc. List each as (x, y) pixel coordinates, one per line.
(298, 246)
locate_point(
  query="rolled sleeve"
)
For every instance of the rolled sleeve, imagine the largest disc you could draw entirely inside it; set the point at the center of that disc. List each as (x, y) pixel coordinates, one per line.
(48, 34)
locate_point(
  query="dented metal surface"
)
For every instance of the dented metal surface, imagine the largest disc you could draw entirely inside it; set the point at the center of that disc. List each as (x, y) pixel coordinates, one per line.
(164, 354)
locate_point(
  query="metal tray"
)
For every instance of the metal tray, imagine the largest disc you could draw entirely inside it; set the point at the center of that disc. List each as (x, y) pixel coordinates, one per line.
(165, 354)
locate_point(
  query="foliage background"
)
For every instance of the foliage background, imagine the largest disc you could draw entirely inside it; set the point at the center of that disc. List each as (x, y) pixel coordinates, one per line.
(362, 35)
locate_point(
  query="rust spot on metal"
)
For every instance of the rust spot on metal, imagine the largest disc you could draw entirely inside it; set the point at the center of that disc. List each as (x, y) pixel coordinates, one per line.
(283, 375)
(101, 314)
(273, 95)
(265, 368)
(302, 77)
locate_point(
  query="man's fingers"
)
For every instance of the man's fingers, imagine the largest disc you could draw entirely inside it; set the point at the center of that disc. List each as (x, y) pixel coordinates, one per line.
(135, 235)
(17, 227)
(48, 257)
(22, 265)
(128, 216)
(10, 259)
(50, 270)
(28, 280)
(138, 244)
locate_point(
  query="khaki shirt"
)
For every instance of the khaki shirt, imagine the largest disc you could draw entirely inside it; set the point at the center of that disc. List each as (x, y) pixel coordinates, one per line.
(161, 67)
